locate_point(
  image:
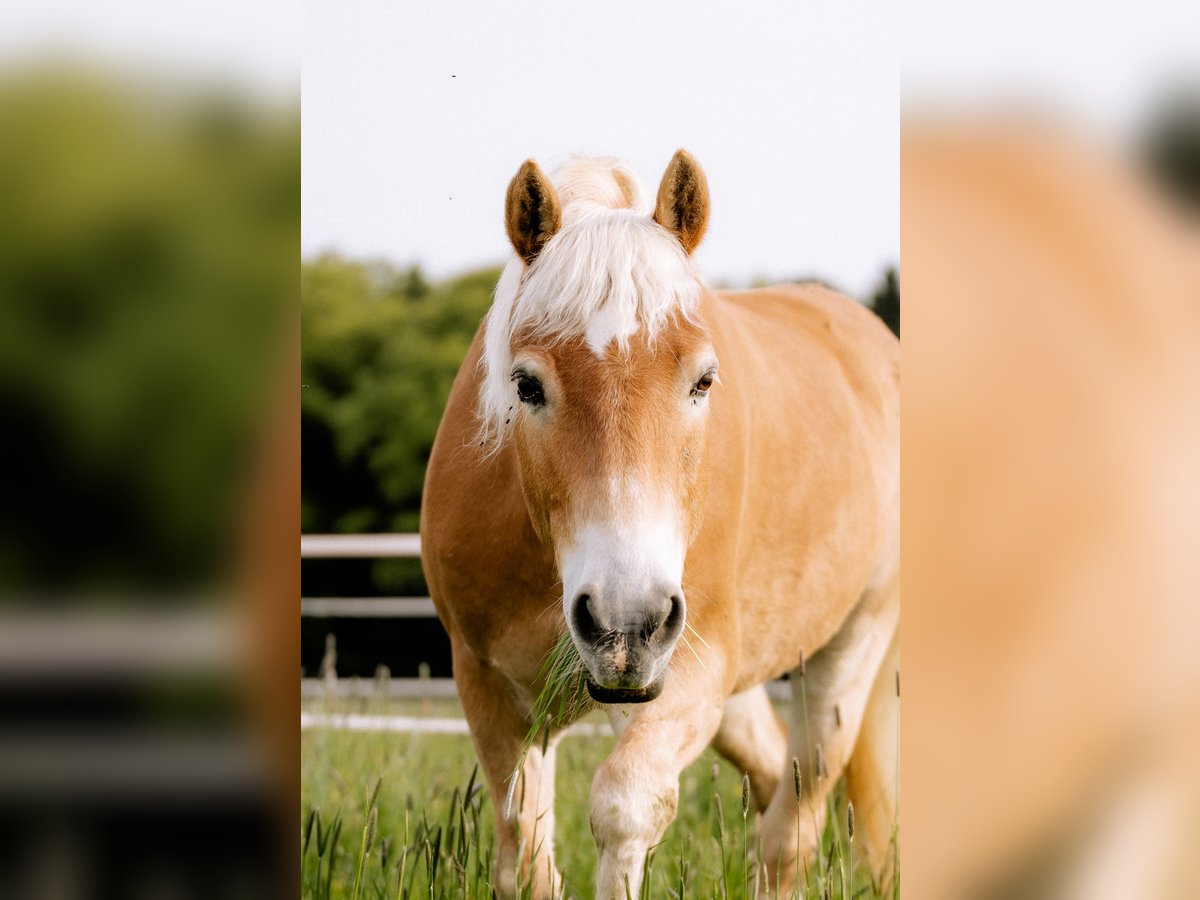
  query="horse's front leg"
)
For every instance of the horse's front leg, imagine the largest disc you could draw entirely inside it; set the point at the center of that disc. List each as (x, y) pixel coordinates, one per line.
(524, 807)
(636, 790)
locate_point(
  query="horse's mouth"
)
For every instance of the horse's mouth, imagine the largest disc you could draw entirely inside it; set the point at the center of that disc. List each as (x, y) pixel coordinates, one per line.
(625, 695)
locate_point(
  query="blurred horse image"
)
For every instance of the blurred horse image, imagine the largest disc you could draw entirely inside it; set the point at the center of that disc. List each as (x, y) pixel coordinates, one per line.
(640, 462)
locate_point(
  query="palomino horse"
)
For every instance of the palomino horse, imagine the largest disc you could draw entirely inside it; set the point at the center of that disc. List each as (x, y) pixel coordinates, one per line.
(591, 459)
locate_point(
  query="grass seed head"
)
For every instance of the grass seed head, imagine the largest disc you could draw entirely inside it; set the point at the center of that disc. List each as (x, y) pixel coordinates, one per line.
(372, 826)
(850, 819)
(745, 794)
(308, 826)
(375, 792)
(716, 770)
(322, 836)
(796, 777)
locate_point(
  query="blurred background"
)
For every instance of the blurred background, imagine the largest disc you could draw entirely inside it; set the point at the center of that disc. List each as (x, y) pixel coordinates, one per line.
(150, 169)
(149, 226)
(1051, 408)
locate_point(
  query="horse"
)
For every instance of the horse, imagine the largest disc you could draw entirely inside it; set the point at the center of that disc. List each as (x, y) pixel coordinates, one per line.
(630, 457)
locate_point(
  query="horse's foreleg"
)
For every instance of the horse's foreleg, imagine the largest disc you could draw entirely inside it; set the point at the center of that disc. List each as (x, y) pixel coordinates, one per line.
(754, 740)
(872, 773)
(828, 704)
(635, 791)
(525, 836)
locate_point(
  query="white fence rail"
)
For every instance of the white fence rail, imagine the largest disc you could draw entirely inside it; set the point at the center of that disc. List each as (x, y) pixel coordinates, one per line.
(364, 546)
(367, 607)
(430, 688)
(368, 546)
(419, 725)
(360, 546)
(370, 689)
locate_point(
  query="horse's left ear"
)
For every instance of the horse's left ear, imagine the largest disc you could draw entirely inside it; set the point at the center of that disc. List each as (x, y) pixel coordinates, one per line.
(682, 205)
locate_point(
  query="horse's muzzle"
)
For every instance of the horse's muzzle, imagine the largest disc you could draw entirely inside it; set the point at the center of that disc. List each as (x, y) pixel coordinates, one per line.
(626, 695)
(626, 646)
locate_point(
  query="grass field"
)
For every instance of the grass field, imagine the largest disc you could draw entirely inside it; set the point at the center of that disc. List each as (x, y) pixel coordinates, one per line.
(434, 832)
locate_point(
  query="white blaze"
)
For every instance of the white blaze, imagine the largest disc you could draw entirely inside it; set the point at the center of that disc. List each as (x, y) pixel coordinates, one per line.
(624, 563)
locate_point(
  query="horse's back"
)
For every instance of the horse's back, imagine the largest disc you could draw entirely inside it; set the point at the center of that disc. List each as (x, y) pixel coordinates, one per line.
(805, 433)
(809, 364)
(808, 320)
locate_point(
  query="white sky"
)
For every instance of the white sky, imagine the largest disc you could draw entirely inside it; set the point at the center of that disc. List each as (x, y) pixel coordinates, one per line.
(1103, 67)
(415, 117)
(792, 107)
(252, 44)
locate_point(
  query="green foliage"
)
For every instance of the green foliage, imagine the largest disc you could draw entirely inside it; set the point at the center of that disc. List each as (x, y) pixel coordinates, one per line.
(1170, 150)
(147, 277)
(886, 302)
(380, 349)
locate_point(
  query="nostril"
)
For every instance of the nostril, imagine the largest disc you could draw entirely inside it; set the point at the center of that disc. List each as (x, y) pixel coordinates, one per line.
(667, 620)
(674, 620)
(582, 618)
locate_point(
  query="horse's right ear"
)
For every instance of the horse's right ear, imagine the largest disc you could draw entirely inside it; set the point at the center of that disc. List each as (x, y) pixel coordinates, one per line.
(682, 204)
(532, 214)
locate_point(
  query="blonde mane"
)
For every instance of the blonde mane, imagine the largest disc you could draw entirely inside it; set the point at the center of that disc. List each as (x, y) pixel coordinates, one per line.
(609, 272)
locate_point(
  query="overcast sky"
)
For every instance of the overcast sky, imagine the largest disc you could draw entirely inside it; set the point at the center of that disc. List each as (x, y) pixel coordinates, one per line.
(415, 117)
(792, 107)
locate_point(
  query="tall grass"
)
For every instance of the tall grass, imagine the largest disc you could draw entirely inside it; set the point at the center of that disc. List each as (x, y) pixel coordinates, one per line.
(393, 818)
(436, 819)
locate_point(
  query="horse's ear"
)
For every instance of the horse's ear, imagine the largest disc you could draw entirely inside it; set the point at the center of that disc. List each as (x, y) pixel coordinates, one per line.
(531, 211)
(682, 205)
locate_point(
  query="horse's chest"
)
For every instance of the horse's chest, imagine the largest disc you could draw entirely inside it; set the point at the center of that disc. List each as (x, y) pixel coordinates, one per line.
(507, 633)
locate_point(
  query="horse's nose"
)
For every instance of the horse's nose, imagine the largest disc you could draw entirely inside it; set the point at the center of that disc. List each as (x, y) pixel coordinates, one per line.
(660, 616)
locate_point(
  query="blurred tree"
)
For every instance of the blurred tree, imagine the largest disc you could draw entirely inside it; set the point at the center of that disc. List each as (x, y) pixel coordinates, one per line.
(147, 283)
(886, 301)
(1171, 149)
(380, 349)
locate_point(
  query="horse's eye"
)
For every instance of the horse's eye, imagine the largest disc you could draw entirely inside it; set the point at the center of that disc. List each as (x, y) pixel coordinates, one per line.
(529, 390)
(700, 388)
